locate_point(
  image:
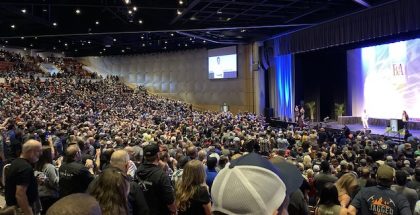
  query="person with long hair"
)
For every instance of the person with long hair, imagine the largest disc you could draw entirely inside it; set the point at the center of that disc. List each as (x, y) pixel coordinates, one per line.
(111, 190)
(328, 201)
(346, 185)
(48, 174)
(192, 194)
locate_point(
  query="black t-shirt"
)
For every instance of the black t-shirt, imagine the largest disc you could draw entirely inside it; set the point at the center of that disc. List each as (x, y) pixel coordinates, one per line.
(379, 200)
(74, 178)
(20, 173)
(197, 202)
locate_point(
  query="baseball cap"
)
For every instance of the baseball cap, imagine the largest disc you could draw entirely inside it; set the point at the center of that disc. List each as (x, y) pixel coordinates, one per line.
(150, 149)
(385, 172)
(246, 186)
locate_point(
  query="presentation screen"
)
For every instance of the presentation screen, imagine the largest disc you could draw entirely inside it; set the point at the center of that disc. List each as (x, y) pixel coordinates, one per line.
(384, 80)
(222, 63)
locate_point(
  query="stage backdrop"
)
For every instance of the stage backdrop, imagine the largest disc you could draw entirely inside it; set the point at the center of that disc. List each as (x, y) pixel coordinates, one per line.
(183, 75)
(385, 80)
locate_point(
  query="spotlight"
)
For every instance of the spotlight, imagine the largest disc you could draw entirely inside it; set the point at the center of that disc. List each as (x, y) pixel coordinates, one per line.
(219, 12)
(130, 12)
(97, 23)
(204, 41)
(13, 26)
(88, 42)
(181, 2)
(134, 8)
(77, 11)
(22, 38)
(243, 30)
(166, 42)
(65, 44)
(164, 47)
(140, 21)
(24, 49)
(178, 12)
(23, 10)
(100, 52)
(172, 34)
(54, 24)
(127, 1)
(123, 51)
(115, 40)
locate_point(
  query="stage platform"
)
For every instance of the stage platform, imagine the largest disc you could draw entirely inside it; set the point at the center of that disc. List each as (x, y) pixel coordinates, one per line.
(356, 126)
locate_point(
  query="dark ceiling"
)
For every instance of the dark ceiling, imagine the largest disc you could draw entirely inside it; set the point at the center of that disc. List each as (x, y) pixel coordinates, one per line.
(110, 27)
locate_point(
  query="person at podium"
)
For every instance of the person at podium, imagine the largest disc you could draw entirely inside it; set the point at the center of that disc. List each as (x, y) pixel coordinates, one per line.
(405, 119)
(365, 119)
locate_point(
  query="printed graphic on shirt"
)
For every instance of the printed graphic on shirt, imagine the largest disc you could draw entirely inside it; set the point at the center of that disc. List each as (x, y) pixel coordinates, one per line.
(379, 205)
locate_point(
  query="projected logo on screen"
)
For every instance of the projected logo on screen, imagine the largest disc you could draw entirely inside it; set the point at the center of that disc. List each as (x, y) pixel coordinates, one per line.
(385, 79)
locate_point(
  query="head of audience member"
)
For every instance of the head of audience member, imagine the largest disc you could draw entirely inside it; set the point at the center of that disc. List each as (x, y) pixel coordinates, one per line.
(325, 166)
(211, 163)
(385, 175)
(119, 159)
(246, 187)
(401, 177)
(111, 190)
(78, 203)
(193, 177)
(151, 153)
(192, 152)
(72, 154)
(46, 157)
(31, 151)
(347, 183)
(329, 195)
(182, 161)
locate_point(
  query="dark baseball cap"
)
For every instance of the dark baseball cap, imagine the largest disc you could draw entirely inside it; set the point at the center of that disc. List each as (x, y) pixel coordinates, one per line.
(150, 149)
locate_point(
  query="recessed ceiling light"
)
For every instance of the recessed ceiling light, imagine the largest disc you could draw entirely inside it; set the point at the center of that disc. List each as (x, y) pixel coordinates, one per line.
(123, 51)
(100, 52)
(204, 41)
(186, 44)
(172, 34)
(178, 12)
(166, 42)
(130, 12)
(65, 44)
(219, 12)
(22, 38)
(23, 10)
(88, 42)
(181, 2)
(83, 44)
(135, 8)
(104, 49)
(127, 1)
(142, 37)
(44, 10)
(228, 19)
(97, 23)
(190, 38)
(13, 26)
(6, 41)
(115, 40)
(54, 24)
(77, 11)
(36, 38)
(75, 50)
(164, 47)
(24, 49)
(143, 45)
(31, 45)
(243, 30)
(140, 21)
(54, 48)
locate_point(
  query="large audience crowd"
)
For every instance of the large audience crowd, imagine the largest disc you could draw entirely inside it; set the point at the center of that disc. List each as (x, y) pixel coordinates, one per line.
(71, 145)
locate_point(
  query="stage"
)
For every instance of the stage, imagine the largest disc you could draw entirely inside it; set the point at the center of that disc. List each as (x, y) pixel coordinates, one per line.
(353, 126)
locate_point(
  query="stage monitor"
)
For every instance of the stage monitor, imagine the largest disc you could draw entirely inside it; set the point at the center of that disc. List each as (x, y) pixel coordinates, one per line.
(385, 80)
(222, 63)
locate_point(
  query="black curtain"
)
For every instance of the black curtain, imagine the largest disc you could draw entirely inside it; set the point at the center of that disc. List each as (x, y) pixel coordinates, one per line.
(385, 20)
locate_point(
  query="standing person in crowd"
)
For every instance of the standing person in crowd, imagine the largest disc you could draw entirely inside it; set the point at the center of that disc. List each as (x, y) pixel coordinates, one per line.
(328, 201)
(111, 190)
(192, 194)
(415, 181)
(158, 190)
(324, 176)
(48, 189)
(400, 187)
(136, 200)
(405, 119)
(74, 176)
(211, 172)
(380, 199)
(21, 188)
(346, 186)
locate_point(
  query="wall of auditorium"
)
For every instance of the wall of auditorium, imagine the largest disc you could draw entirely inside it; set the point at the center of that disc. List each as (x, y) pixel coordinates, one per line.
(183, 75)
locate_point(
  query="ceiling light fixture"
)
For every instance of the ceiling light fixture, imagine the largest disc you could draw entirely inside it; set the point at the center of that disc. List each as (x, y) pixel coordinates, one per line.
(123, 51)
(172, 34)
(54, 24)
(130, 12)
(24, 49)
(127, 1)
(100, 52)
(88, 42)
(181, 2)
(115, 40)
(140, 21)
(13, 26)
(22, 38)
(44, 10)
(77, 11)
(178, 12)
(135, 8)
(97, 23)
(219, 12)
(243, 30)
(23, 10)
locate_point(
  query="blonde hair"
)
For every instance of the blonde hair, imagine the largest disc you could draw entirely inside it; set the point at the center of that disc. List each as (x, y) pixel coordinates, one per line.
(193, 177)
(345, 182)
(307, 161)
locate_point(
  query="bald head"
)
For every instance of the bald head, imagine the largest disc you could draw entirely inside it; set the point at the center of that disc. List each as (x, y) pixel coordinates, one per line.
(79, 203)
(119, 159)
(71, 153)
(31, 150)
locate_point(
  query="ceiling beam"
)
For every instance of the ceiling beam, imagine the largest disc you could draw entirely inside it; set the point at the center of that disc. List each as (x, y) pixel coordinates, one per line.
(313, 10)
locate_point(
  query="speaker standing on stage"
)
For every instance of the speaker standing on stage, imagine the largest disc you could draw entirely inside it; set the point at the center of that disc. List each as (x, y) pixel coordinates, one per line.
(365, 119)
(405, 119)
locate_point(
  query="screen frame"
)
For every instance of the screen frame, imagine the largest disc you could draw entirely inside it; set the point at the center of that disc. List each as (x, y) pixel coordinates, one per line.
(237, 62)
